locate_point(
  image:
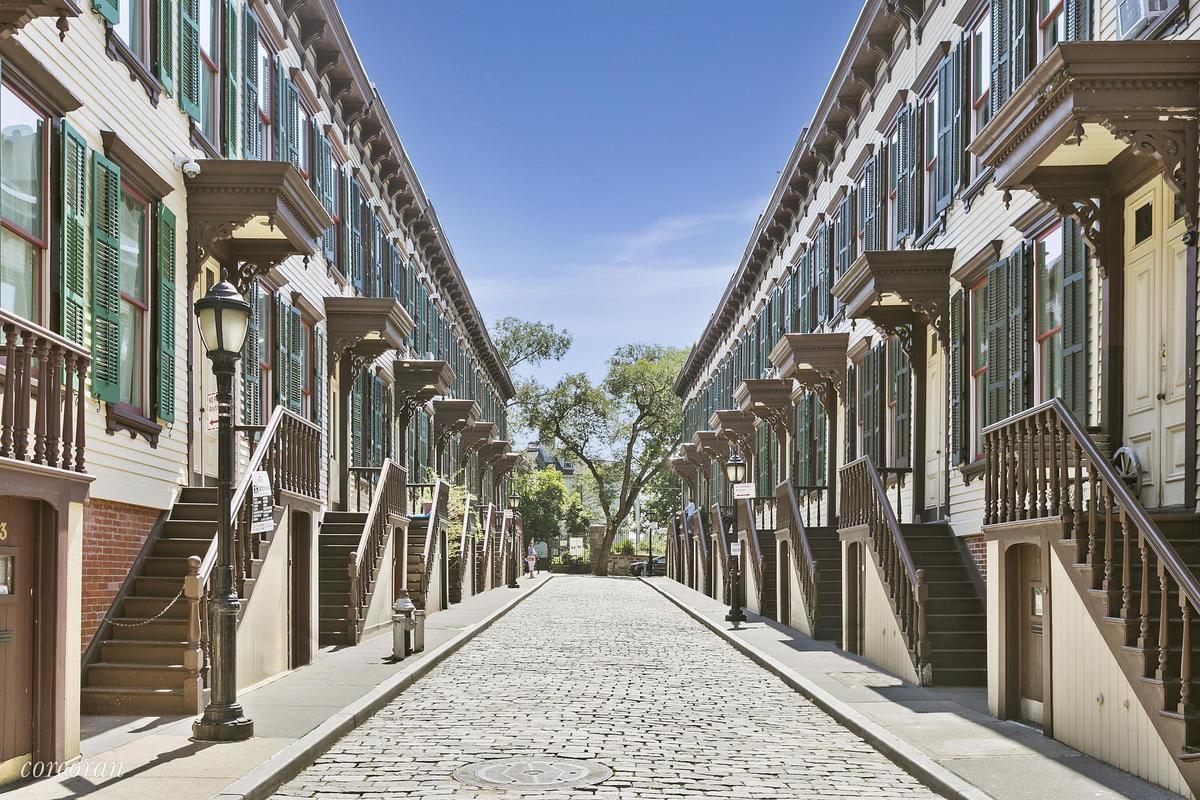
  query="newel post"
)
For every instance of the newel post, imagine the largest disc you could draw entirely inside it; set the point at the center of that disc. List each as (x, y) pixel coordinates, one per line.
(193, 654)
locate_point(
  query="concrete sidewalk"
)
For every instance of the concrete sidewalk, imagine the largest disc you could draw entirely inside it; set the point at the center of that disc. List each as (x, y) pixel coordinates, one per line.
(1006, 760)
(157, 758)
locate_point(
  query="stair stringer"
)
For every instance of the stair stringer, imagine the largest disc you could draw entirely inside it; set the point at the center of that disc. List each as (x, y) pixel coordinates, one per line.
(1082, 722)
(799, 614)
(263, 647)
(884, 642)
(378, 612)
(753, 598)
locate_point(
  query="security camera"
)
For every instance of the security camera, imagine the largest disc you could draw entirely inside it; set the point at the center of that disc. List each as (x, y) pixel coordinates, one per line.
(189, 165)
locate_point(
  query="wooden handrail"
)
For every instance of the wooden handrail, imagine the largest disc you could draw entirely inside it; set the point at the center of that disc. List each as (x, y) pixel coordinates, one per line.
(807, 568)
(387, 501)
(441, 498)
(864, 501)
(756, 562)
(718, 520)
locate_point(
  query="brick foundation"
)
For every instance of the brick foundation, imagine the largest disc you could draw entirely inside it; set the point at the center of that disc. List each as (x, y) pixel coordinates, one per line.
(113, 535)
(978, 550)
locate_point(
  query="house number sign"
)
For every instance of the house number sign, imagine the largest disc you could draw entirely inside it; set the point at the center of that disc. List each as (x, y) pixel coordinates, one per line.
(261, 519)
(3, 531)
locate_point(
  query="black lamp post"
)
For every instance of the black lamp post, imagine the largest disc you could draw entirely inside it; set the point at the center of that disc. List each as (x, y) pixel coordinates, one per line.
(224, 317)
(735, 473)
(514, 503)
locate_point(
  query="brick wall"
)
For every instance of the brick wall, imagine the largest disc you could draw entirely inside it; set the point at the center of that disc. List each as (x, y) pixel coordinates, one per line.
(113, 534)
(978, 550)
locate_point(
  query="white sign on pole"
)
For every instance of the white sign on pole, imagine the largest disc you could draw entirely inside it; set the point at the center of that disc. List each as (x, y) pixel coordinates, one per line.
(261, 502)
(743, 491)
(210, 412)
(576, 547)
(735, 549)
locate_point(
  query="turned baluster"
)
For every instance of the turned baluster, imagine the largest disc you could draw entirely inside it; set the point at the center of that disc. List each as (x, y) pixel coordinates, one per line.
(1041, 423)
(1091, 518)
(989, 479)
(21, 381)
(1144, 625)
(1010, 478)
(10, 395)
(1055, 485)
(1164, 627)
(1108, 545)
(1185, 656)
(1064, 461)
(81, 369)
(54, 410)
(1126, 577)
(40, 348)
(68, 418)
(1020, 502)
(1077, 504)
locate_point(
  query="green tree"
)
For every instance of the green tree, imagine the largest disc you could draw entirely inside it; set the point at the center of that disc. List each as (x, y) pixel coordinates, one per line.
(662, 498)
(531, 343)
(576, 518)
(543, 503)
(621, 429)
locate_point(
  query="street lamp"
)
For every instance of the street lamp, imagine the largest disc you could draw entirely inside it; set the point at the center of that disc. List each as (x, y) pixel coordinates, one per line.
(735, 473)
(223, 319)
(514, 503)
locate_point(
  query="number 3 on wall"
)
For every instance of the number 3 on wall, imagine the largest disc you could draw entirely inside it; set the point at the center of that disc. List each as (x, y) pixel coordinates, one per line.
(3, 531)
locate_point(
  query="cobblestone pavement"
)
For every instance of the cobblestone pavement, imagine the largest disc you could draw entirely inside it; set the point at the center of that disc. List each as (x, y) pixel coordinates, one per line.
(605, 670)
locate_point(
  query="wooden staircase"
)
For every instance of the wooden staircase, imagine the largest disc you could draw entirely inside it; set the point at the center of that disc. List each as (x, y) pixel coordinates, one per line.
(1137, 573)
(414, 560)
(816, 553)
(140, 666)
(757, 518)
(338, 538)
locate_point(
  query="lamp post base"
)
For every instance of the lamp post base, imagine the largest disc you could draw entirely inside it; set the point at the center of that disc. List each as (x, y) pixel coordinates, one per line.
(223, 724)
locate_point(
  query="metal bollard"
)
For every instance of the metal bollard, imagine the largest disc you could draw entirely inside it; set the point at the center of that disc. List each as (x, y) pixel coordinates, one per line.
(402, 625)
(418, 630)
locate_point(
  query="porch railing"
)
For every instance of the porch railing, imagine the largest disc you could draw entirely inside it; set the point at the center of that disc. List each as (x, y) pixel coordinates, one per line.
(720, 521)
(437, 510)
(42, 399)
(702, 541)
(764, 512)
(387, 501)
(805, 563)
(754, 556)
(420, 496)
(809, 501)
(1042, 464)
(289, 451)
(864, 501)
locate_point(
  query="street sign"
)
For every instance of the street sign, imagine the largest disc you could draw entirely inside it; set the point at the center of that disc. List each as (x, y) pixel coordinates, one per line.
(735, 549)
(261, 502)
(576, 547)
(210, 412)
(743, 491)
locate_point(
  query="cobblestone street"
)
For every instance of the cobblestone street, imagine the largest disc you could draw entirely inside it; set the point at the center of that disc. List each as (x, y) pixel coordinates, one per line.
(605, 670)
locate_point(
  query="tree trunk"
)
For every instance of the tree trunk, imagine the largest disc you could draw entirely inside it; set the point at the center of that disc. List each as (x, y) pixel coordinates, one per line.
(602, 549)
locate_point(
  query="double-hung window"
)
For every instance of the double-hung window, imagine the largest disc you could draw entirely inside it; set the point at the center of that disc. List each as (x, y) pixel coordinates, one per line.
(893, 180)
(133, 26)
(1051, 22)
(266, 68)
(210, 93)
(981, 80)
(23, 152)
(1048, 264)
(135, 298)
(929, 157)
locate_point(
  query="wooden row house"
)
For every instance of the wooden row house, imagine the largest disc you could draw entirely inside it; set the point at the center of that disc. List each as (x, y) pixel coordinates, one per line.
(147, 151)
(959, 356)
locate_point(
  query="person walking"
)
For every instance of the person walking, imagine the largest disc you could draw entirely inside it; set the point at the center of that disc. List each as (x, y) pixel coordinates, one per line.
(531, 560)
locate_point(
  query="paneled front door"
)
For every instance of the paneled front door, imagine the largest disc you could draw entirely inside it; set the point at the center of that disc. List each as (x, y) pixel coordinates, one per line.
(1030, 618)
(18, 594)
(1155, 347)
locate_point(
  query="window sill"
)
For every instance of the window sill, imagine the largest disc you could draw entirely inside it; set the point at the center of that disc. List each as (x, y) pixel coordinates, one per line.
(121, 417)
(932, 232)
(971, 471)
(117, 50)
(201, 142)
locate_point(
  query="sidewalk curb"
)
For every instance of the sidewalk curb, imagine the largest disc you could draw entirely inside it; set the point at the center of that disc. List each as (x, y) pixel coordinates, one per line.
(267, 777)
(906, 756)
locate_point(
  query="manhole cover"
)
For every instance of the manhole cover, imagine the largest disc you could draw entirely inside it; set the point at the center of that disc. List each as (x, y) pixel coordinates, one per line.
(532, 774)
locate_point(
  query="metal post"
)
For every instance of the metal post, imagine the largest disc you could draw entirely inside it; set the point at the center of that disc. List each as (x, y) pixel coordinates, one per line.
(223, 720)
(735, 614)
(512, 534)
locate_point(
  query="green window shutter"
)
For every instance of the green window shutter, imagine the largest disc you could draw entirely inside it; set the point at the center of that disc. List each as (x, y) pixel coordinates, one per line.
(397, 268)
(229, 81)
(1021, 50)
(901, 387)
(253, 146)
(789, 291)
(281, 365)
(804, 441)
(293, 129)
(164, 56)
(1018, 331)
(252, 364)
(996, 405)
(957, 369)
(1079, 20)
(110, 10)
(916, 167)
(74, 247)
(297, 345)
(805, 323)
(356, 421)
(189, 58)
(870, 190)
(904, 135)
(376, 421)
(823, 267)
(998, 90)
(318, 392)
(354, 244)
(1075, 320)
(106, 279)
(945, 134)
(880, 199)
(328, 193)
(165, 317)
(388, 424)
(279, 107)
(958, 125)
(376, 247)
(851, 406)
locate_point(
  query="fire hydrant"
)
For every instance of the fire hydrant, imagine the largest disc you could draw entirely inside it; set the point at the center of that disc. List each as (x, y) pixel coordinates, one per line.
(403, 623)
(418, 631)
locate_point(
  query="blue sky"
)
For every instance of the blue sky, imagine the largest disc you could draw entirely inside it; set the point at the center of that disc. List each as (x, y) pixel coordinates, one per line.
(599, 165)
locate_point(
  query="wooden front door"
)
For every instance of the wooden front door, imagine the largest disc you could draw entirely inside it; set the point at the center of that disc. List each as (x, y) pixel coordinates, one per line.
(300, 585)
(18, 632)
(935, 431)
(1030, 607)
(1156, 349)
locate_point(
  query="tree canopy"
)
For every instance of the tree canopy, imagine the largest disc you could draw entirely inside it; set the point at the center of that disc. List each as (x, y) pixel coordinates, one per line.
(531, 343)
(622, 429)
(544, 502)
